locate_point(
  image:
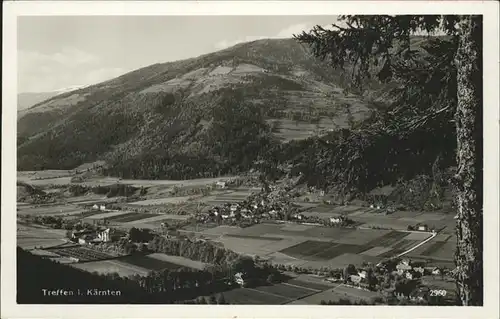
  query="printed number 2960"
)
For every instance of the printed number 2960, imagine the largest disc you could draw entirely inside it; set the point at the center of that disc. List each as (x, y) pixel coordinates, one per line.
(438, 293)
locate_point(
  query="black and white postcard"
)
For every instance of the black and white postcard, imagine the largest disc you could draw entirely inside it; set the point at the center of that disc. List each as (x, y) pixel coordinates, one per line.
(250, 159)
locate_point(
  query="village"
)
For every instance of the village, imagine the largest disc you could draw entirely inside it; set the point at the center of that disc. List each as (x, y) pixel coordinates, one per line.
(271, 226)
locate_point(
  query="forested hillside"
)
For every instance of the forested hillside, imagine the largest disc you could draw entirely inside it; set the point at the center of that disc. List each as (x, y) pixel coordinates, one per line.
(268, 105)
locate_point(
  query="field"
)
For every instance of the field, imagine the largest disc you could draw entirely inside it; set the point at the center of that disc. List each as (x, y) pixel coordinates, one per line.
(339, 292)
(164, 200)
(107, 215)
(439, 250)
(181, 261)
(314, 246)
(81, 253)
(111, 266)
(29, 237)
(137, 264)
(277, 294)
(233, 196)
(56, 209)
(372, 217)
(147, 262)
(63, 177)
(129, 217)
(317, 250)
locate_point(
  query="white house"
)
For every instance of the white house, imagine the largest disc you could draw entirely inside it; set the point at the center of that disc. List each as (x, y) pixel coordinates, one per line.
(436, 271)
(221, 184)
(298, 216)
(238, 278)
(362, 274)
(104, 235)
(102, 207)
(422, 228)
(335, 220)
(95, 206)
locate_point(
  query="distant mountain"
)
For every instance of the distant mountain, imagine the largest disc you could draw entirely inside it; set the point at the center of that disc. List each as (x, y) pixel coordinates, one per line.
(205, 116)
(26, 100)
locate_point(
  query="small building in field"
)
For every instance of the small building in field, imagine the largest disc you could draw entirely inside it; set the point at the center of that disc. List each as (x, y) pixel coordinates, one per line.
(422, 228)
(96, 207)
(102, 207)
(298, 216)
(362, 274)
(220, 184)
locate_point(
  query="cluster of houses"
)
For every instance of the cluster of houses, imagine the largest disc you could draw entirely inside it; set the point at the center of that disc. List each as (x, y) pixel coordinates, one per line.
(91, 237)
(412, 270)
(405, 268)
(256, 207)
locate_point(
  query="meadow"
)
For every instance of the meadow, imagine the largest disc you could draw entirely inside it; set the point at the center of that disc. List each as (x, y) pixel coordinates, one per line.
(112, 266)
(315, 246)
(29, 237)
(276, 294)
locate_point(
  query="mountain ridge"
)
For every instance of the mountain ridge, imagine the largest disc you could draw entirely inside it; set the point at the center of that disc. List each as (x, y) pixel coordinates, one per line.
(173, 105)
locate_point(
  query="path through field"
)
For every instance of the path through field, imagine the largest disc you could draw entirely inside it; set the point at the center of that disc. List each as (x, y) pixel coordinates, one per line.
(418, 245)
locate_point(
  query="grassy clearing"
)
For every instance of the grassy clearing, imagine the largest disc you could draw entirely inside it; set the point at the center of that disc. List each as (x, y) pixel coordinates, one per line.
(387, 239)
(132, 217)
(337, 293)
(286, 291)
(306, 249)
(309, 283)
(339, 250)
(181, 261)
(57, 209)
(81, 253)
(342, 260)
(254, 237)
(108, 215)
(148, 262)
(433, 248)
(30, 237)
(246, 296)
(162, 201)
(246, 245)
(362, 237)
(376, 251)
(112, 266)
(405, 244)
(317, 250)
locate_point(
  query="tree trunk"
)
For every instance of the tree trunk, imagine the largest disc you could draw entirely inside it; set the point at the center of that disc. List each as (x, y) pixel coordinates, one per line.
(469, 179)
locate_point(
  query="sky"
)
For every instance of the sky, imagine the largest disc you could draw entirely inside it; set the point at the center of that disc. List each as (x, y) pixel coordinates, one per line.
(57, 52)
